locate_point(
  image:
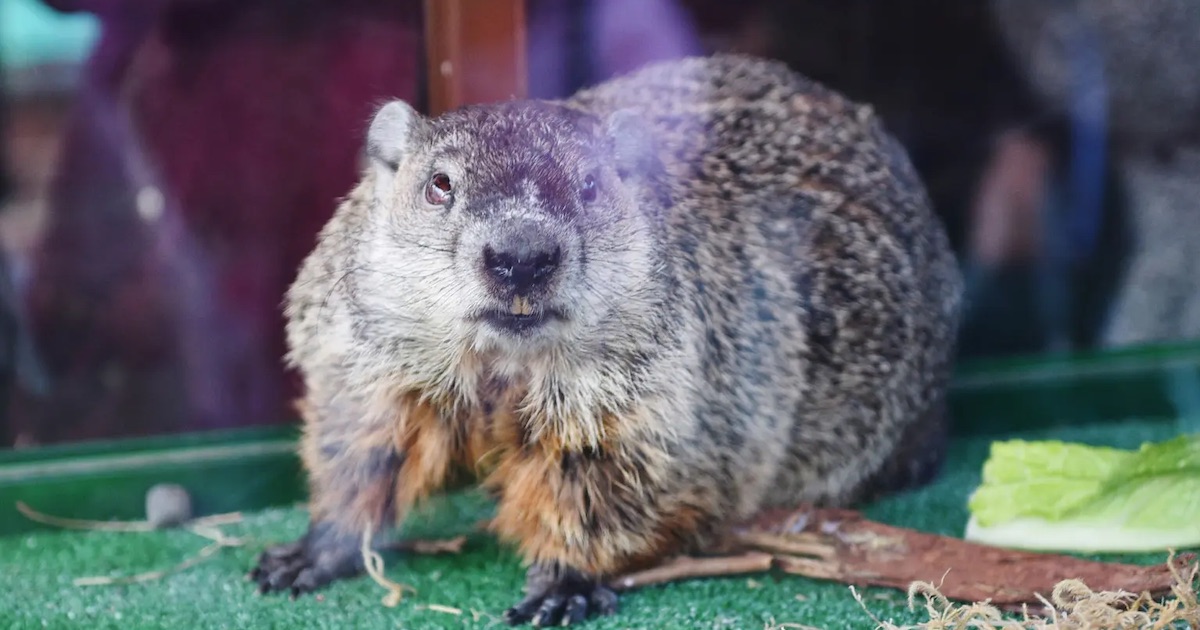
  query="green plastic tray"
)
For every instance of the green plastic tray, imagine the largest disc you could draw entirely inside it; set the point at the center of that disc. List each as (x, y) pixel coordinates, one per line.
(258, 468)
(224, 471)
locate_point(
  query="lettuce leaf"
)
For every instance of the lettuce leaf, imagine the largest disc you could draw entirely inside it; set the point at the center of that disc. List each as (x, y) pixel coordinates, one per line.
(1065, 496)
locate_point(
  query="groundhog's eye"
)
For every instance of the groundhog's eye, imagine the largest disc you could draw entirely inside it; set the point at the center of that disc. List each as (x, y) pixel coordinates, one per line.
(437, 191)
(588, 192)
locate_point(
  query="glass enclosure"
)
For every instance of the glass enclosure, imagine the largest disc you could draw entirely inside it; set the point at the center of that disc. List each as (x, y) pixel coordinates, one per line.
(168, 163)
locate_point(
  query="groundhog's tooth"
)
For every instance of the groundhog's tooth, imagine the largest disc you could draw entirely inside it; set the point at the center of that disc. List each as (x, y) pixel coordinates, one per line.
(521, 306)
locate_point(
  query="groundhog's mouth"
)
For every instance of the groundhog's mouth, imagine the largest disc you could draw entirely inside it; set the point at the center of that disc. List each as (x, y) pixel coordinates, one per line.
(519, 323)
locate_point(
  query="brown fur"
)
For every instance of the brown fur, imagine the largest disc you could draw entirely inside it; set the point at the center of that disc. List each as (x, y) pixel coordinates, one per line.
(538, 495)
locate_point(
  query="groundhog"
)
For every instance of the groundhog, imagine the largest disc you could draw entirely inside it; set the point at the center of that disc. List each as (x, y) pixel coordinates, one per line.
(636, 316)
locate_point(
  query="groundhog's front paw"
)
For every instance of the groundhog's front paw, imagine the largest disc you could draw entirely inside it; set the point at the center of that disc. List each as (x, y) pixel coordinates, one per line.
(303, 566)
(559, 597)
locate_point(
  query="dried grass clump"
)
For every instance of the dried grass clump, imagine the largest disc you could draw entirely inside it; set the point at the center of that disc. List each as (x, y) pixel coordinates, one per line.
(1072, 606)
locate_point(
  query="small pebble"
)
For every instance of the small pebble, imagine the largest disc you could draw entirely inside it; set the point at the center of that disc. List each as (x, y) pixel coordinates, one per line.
(168, 505)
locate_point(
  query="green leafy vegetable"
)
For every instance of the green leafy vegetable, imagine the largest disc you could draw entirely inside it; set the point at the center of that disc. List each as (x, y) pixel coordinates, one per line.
(1065, 496)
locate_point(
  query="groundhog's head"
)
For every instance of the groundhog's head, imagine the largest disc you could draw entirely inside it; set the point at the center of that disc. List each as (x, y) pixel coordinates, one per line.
(514, 226)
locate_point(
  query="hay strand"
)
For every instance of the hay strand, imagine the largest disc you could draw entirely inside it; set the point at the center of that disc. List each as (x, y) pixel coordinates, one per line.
(374, 566)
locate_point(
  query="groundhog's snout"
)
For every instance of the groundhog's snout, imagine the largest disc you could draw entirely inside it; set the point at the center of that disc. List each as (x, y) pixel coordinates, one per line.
(520, 263)
(523, 262)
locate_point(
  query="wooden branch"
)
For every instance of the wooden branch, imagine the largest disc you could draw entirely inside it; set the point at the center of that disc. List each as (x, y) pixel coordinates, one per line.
(844, 546)
(803, 544)
(686, 567)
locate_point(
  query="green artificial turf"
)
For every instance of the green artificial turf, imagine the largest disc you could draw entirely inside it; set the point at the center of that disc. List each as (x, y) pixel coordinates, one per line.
(36, 572)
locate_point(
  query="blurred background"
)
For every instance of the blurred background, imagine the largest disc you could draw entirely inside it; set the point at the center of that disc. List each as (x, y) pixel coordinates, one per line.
(167, 164)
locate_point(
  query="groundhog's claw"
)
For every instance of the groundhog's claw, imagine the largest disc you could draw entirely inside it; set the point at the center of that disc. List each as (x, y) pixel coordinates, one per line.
(305, 565)
(560, 597)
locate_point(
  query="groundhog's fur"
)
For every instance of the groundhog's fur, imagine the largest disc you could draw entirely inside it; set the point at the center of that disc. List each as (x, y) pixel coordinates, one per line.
(756, 310)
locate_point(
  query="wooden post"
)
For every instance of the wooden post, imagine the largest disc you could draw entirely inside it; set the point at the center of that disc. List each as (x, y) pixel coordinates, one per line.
(475, 52)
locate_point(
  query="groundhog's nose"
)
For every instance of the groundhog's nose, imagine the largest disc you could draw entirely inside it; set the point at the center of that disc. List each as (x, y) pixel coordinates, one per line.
(524, 262)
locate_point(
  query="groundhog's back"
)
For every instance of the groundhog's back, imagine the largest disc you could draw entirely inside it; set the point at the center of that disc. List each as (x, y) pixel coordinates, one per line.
(805, 230)
(742, 132)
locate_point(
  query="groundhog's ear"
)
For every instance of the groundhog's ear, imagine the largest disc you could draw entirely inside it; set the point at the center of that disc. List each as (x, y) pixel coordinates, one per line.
(389, 137)
(631, 142)
(390, 131)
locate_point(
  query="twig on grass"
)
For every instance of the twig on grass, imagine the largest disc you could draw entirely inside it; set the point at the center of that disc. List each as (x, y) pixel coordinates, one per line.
(206, 527)
(429, 547)
(209, 527)
(148, 576)
(449, 610)
(74, 523)
(120, 526)
(686, 567)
